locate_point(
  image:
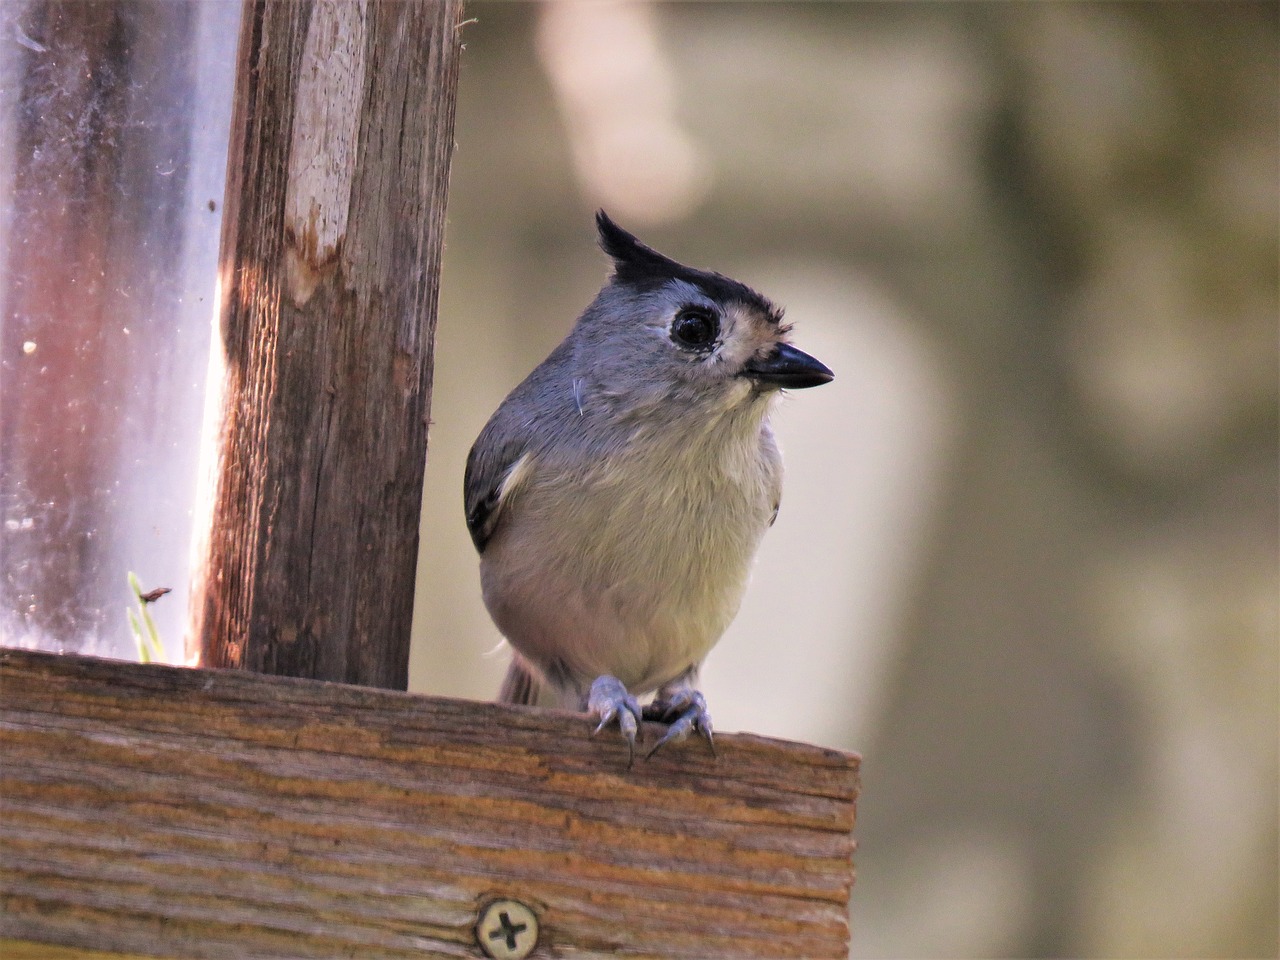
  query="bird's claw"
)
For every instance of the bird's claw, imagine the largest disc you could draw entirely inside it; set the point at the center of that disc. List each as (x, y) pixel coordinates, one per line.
(610, 701)
(685, 712)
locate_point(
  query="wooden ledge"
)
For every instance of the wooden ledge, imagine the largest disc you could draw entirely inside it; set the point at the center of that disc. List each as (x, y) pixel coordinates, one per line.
(167, 812)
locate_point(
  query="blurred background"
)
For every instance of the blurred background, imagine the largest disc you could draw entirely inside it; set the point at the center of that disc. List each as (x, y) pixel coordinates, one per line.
(1028, 559)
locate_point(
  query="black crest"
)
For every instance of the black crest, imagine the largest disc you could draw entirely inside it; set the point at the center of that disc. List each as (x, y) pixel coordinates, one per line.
(633, 262)
(639, 265)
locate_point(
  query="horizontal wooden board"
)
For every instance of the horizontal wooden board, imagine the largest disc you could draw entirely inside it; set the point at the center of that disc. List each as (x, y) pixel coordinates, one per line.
(209, 813)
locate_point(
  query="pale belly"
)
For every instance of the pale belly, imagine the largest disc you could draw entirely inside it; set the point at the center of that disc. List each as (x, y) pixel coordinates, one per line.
(636, 584)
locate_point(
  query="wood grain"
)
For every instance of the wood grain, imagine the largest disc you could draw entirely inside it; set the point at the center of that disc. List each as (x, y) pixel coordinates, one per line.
(212, 813)
(342, 133)
(27, 950)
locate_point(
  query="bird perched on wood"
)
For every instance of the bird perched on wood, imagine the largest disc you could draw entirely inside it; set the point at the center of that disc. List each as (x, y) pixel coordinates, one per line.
(617, 496)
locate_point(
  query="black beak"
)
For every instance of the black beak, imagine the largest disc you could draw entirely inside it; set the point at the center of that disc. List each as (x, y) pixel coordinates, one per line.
(788, 368)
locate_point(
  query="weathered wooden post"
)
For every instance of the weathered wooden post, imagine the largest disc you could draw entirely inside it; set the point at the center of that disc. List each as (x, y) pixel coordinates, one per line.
(338, 169)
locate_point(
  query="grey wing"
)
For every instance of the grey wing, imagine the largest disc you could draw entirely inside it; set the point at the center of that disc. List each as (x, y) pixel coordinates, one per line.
(490, 466)
(504, 451)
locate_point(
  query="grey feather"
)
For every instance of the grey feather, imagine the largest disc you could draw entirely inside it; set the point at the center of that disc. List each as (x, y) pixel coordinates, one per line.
(519, 686)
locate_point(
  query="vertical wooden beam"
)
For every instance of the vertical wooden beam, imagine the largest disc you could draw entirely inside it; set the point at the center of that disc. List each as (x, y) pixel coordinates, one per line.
(342, 132)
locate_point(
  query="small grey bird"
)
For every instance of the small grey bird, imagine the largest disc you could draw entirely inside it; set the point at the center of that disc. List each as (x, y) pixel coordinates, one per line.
(617, 496)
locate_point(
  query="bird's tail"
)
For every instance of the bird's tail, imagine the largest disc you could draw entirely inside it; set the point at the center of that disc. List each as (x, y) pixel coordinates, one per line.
(520, 685)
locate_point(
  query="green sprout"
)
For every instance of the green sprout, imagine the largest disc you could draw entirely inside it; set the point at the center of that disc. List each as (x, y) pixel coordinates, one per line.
(150, 647)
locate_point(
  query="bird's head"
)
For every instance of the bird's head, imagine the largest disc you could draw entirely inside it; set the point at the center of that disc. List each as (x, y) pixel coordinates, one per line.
(659, 322)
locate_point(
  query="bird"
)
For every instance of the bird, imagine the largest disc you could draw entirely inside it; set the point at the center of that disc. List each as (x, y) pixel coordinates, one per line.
(618, 495)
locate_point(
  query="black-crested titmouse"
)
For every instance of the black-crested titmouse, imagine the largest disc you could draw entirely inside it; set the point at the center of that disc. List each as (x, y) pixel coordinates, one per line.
(617, 495)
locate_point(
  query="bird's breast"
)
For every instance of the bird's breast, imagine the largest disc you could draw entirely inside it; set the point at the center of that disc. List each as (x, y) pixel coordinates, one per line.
(632, 562)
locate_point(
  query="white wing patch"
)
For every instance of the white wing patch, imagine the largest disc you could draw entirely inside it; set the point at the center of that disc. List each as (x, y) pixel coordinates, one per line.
(512, 480)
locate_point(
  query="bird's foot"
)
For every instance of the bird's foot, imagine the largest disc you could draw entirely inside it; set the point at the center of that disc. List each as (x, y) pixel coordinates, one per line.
(684, 709)
(610, 701)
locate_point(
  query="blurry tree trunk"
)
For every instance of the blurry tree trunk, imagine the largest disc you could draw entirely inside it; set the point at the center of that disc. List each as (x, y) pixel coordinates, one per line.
(342, 132)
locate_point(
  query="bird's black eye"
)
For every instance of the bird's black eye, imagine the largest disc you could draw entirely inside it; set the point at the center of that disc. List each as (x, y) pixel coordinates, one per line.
(695, 328)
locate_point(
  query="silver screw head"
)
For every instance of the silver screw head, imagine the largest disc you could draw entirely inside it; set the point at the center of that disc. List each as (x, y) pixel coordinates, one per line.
(507, 930)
